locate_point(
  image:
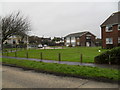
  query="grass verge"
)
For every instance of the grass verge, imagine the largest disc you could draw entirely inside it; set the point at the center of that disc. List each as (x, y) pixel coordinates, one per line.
(67, 54)
(69, 70)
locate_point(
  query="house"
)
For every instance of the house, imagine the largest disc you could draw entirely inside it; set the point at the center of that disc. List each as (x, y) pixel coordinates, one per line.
(34, 40)
(98, 42)
(80, 39)
(15, 39)
(110, 31)
(58, 41)
(45, 41)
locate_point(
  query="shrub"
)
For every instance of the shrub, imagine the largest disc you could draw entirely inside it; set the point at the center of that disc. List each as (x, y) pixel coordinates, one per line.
(7, 45)
(112, 56)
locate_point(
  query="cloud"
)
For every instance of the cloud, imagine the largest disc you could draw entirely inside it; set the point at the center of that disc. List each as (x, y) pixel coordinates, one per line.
(60, 18)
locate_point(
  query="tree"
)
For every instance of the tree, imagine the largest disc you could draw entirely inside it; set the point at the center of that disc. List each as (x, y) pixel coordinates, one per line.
(0, 34)
(57, 39)
(14, 24)
(34, 40)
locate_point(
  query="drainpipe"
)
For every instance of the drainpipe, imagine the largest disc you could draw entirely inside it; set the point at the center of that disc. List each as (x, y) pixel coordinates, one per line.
(70, 41)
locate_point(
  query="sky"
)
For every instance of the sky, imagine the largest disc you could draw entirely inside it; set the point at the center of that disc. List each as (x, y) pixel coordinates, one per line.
(50, 19)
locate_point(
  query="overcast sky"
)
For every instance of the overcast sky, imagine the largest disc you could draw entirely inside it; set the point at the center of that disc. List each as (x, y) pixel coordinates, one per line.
(61, 18)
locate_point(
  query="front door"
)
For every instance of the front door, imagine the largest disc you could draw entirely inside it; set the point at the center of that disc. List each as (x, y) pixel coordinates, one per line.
(88, 44)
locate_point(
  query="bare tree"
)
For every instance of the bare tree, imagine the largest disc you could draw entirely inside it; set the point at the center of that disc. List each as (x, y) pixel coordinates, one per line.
(0, 34)
(14, 24)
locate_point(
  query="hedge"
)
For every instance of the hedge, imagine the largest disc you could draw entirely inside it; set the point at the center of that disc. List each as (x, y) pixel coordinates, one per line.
(112, 56)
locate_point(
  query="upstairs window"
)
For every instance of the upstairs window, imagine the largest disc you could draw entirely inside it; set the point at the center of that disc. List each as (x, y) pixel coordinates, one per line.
(87, 37)
(109, 41)
(118, 26)
(67, 40)
(109, 28)
(72, 39)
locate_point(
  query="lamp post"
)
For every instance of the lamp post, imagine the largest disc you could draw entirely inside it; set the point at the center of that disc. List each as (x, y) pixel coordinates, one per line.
(27, 42)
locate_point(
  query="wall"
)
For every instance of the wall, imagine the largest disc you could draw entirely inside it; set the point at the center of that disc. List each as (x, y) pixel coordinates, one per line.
(114, 34)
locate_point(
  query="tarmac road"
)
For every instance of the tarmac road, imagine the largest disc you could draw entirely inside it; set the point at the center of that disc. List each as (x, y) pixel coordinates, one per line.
(18, 78)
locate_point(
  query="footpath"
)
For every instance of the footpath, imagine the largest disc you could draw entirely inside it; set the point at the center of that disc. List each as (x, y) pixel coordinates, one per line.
(67, 62)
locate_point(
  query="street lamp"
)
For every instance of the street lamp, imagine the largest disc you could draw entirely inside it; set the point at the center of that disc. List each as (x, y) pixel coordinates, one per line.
(27, 42)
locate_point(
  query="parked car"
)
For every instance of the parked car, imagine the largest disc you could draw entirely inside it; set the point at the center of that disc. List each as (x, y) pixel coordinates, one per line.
(40, 46)
(45, 45)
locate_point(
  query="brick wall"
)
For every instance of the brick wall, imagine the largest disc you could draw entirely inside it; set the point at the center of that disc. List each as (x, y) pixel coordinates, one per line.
(114, 34)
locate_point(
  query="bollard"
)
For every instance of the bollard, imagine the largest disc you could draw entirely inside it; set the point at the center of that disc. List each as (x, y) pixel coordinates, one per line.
(11, 50)
(80, 58)
(7, 52)
(16, 49)
(15, 54)
(109, 60)
(2, 52)
(27, 54)
(59, 57)
(41, 56)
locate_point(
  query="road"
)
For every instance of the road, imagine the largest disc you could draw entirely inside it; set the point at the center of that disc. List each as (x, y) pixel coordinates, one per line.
(18, 78)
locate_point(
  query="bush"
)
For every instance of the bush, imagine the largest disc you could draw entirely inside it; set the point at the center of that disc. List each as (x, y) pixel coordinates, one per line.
(112, 56)
(7, 45)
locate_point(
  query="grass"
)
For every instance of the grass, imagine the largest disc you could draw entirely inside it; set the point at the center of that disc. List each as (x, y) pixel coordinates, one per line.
(0, 59)
(67, 54)
(73, 70)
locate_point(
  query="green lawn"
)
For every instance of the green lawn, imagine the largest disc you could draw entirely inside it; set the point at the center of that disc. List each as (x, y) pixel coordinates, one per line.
(74, 70)
(67, 54)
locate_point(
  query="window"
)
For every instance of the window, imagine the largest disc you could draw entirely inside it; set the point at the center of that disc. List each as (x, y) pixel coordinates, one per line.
(87, 37)
(109, 41)
(118, 39)
(109, 28)
(78, 38)
(14, 41)
(67, 40)
(73, 39)
(67, 45)
(119, 27)
(78, 43)
(73, 45)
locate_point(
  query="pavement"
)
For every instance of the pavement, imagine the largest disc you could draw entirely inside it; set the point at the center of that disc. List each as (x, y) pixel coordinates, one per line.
(67, 62)
(18, 78)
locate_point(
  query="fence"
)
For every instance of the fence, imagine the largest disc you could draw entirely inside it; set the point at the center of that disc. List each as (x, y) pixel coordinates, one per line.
(51, 55)
(58, 56)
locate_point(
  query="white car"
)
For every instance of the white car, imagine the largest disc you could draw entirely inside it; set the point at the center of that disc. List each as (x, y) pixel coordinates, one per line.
(40, 46)
(67, 45)
(45, 45)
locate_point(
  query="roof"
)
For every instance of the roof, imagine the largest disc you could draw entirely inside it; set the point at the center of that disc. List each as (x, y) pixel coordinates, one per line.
(79, 34)
(113, 19)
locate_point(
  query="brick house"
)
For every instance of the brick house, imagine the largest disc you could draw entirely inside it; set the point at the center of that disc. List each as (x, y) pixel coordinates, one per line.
(110, 31)
(80, 39)
(98, 42)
